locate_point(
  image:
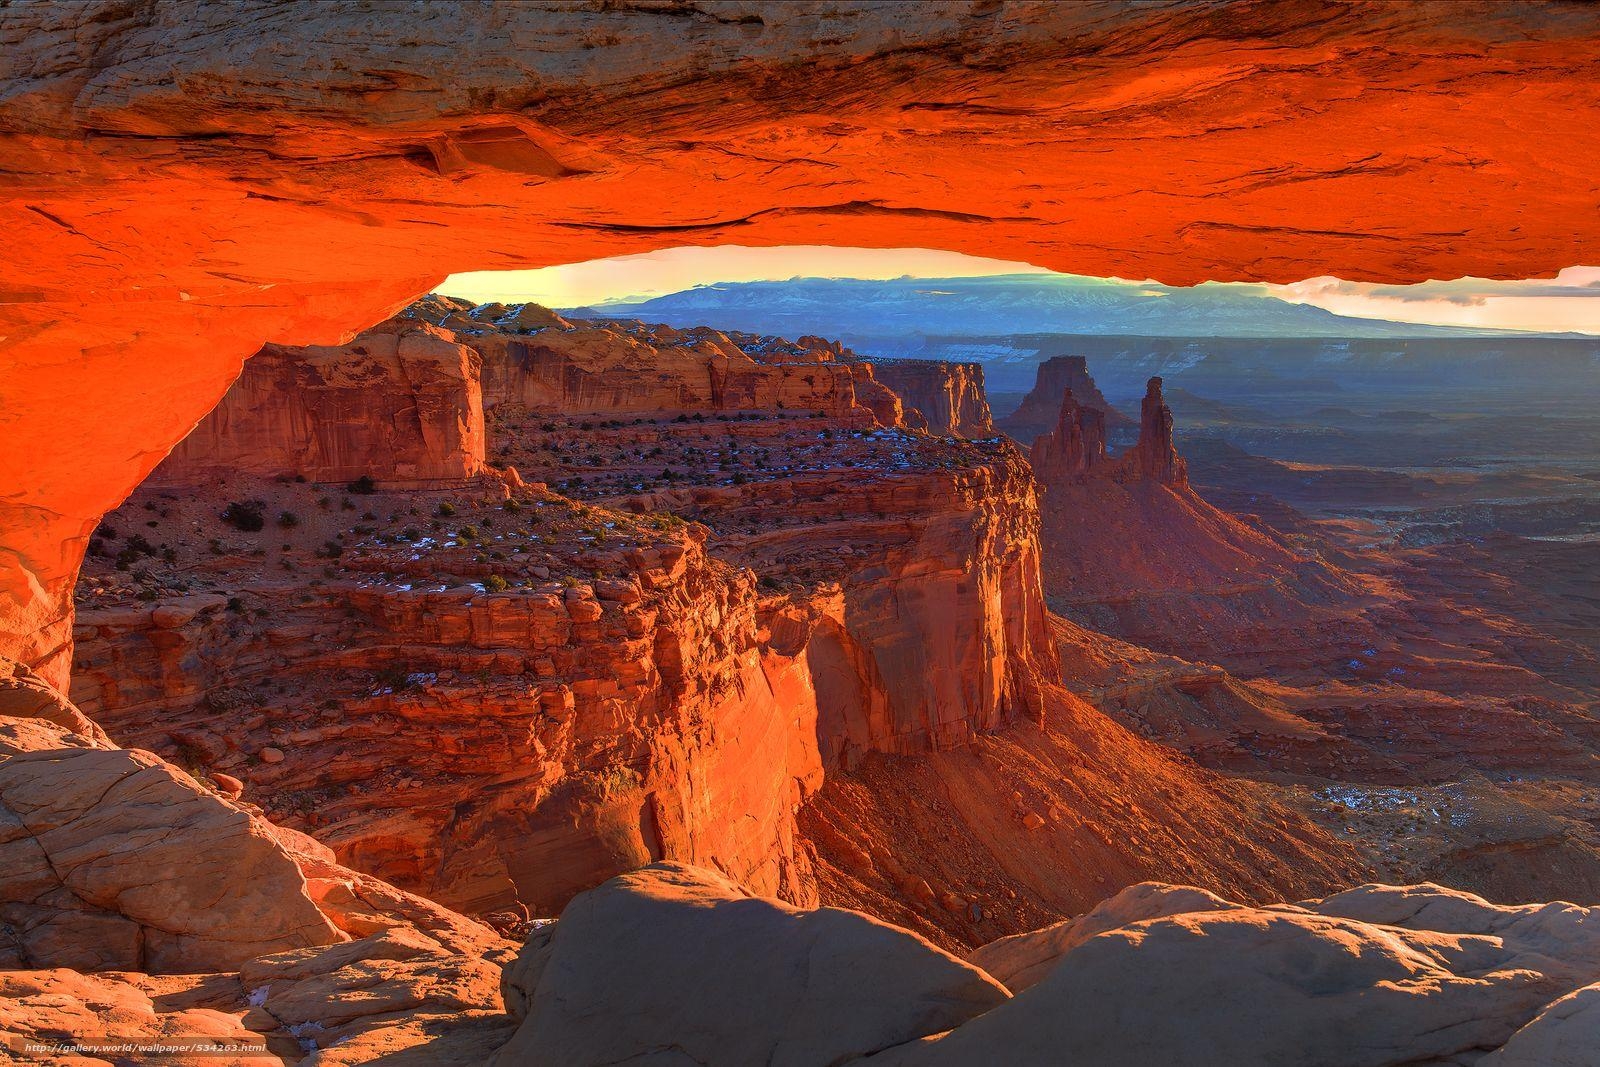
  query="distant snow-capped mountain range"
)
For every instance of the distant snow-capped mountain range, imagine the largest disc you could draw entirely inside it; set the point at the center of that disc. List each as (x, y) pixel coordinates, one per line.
(1002, 305)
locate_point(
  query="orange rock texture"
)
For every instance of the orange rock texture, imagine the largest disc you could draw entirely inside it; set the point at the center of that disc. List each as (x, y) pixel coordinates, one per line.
(177, 193)
(950, 396)
(601, 685)
(705, 652)
(403, 407)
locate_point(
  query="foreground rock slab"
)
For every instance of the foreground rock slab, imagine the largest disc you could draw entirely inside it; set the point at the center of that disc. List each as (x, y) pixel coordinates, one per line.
(670, 964)
(676, 958)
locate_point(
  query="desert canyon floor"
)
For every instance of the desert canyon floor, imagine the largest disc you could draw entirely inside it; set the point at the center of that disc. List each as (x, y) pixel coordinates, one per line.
(399, 679)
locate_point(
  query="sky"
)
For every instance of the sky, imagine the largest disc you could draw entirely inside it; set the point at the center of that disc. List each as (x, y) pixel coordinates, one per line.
(1568, 302)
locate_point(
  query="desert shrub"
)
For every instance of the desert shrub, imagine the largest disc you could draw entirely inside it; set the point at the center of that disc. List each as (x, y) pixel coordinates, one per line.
(245, 515)
(362, 486)
(494, 583)
(288, 519)
(446, 508)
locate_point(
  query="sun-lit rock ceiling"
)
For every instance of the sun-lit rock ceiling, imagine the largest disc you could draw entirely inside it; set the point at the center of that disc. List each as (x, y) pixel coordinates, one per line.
(184, 183)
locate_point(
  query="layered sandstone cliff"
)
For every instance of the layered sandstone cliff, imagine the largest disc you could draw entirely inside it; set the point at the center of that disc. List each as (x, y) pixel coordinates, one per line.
(541, 362)
(402, 406)
(577, 724)
(595, 684)
(950, 396)
(505, 708)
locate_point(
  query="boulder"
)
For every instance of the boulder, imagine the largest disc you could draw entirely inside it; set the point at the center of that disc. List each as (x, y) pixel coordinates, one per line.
(1282, 986)
(1565, 1034)
(1022, 959)
(113, 859)
(673, 957)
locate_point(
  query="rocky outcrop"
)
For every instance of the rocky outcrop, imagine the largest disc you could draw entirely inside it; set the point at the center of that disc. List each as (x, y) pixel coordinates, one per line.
(118, 860)
(950, 396)
(575, 726)
(402, 405)
(727, 978)
(543, 363)
(385, 139)
(1074, 447)
(216, 925)
(582, 726)
(1040, 410)
(1073, 450)
(915, 589)
(1154, 457)
(1157, 974)
(1151, 533)
(100, 849)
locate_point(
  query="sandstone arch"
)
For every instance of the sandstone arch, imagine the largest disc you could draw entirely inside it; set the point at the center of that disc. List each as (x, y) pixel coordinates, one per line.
(184, 183)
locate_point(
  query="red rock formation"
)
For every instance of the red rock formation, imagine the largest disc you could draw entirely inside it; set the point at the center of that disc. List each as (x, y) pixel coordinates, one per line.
(1154, 457)
(628, 368)
(681, 707)
(205, 921)
(918, 590)
(562, 730)
(1075, 447)
(327, 181)
(1038, 411)
(950, 396)
(402, 406)
(580, 728)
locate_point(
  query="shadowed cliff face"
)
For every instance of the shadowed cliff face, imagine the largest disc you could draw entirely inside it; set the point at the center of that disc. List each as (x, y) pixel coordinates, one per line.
(180, 191)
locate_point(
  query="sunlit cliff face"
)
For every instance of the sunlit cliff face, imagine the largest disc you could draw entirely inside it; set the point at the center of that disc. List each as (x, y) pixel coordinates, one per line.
(180, 192)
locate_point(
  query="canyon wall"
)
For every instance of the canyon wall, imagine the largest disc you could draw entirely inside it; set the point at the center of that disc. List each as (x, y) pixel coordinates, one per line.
(721, 643)
(919, 591)
(950, 396)
(485, 748)
(403, 406)
(627, 368)
(179, 195)
(585, 686)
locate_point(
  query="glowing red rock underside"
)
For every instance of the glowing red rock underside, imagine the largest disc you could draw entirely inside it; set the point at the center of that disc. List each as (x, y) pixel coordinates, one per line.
(185, 183)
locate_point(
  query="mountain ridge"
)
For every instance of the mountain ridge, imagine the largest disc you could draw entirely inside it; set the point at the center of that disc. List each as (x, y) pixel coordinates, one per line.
(1008, 304)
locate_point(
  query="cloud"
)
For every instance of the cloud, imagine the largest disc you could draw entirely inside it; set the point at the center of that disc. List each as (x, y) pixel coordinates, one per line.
(1573, 282)
(1569, 301)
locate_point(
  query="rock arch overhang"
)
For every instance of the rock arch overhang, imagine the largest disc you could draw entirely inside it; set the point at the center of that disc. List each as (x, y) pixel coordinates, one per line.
(183, 182)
